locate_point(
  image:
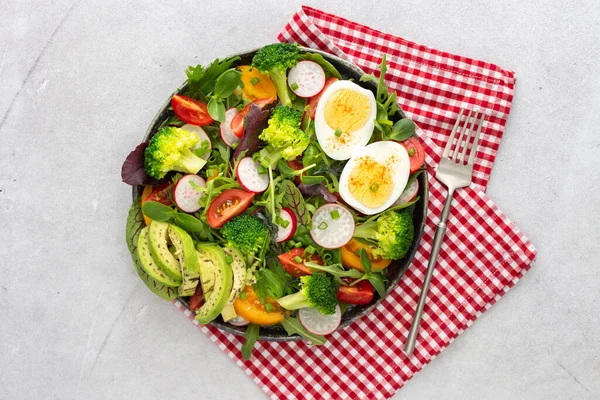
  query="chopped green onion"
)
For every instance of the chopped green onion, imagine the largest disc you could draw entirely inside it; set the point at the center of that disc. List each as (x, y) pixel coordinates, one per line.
(268, 307)
(228, 259)
(282, 222)
(323, 225)
(294, 86)
(310, 250)
(243, 296)
(338, 132)
(298, 259)
(262, 169)
(297, 245)
(254, 81)
(234, 145)
(374, 187)
(411, 151)
(335, 214)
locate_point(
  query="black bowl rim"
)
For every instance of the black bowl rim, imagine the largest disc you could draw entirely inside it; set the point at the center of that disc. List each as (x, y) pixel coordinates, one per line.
(407, 260)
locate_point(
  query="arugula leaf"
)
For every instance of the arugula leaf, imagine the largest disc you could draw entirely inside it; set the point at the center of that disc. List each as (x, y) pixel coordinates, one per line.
(326, 65)
(365, 261)
(377, 282)
(293, 327)
(252, 332)
(337, 270)
(293, 199)
(201, 80)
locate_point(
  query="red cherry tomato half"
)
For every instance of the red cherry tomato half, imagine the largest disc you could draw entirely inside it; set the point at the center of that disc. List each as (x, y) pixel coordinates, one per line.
(237, 123)
(294, 267)
(197, 299)
(312, 103)
(227, 205)
(161, 194)
(361, 293)
(416, 152)
(190, 110)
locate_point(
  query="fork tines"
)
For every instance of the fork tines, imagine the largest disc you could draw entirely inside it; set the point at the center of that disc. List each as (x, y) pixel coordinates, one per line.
(464, 128)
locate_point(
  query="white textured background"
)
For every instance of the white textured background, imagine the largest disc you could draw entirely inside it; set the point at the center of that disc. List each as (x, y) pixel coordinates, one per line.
(81, 80)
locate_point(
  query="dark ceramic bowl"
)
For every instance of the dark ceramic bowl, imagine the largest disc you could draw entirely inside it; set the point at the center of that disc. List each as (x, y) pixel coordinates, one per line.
(394, 272)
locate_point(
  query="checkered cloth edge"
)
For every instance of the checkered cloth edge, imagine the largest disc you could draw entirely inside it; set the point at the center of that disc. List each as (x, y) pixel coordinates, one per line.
(483, 255)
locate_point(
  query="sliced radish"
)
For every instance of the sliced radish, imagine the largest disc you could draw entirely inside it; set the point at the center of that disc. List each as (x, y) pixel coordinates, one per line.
(306, 79)
(332, 226)
(238, 321)
(248, 176)
(409, 193)
(227, 135)
(186, 195)
(320, 324)
(202, 136)
(286, 233)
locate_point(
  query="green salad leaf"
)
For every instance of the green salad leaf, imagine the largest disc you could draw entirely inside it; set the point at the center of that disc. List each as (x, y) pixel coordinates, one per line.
(293, 327)
(252, 332)
(201, 80)
(294, 200)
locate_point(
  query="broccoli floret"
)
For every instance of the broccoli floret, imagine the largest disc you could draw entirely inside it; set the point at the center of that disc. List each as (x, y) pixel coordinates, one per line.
(392, 232)
(170, 150)
(284, 137)
(317, 291)
(274, 60)
(246, 233)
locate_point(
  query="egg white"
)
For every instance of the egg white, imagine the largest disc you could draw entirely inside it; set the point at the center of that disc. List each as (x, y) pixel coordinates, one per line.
(332, 145)
(380, 152)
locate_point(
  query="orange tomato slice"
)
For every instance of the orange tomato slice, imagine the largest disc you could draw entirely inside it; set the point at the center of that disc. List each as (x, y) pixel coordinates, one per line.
(351, 256)
(254, 311)
(256, 85)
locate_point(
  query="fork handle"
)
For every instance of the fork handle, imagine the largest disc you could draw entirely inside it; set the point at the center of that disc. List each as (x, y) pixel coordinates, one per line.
(440, 232)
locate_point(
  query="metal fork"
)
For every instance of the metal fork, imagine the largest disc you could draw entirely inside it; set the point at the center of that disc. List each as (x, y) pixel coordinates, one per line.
(454, 173)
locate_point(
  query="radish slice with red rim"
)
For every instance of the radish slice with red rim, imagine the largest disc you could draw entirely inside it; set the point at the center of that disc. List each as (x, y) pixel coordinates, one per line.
(332, 226)
(238, 321)
(248, 176)
(203, 138)
(227, 135)
(409, 193)
(287, 218)
(306, 79)
(186, 193)
(320, 324)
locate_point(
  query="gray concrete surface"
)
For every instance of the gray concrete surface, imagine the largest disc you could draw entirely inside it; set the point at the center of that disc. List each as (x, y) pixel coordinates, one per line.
(80, 81)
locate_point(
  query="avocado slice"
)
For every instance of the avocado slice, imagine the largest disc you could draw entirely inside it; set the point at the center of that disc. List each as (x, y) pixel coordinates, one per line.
(238, 267)
(147, 262)
(159, 247)
(212, 257)
(186, 254)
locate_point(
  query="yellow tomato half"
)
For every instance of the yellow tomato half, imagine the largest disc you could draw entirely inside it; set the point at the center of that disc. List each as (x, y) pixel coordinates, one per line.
(256, 85)
(254, 311)
(351, 256)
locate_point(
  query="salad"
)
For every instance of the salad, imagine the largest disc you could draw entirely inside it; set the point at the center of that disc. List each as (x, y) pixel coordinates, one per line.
(275, 193)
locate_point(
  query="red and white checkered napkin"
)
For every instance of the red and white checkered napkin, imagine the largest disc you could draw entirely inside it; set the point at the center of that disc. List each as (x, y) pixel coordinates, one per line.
(483, 255)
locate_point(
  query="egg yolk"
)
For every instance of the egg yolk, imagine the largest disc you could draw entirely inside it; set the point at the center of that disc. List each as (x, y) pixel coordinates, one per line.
(347, 110)
(370, 182)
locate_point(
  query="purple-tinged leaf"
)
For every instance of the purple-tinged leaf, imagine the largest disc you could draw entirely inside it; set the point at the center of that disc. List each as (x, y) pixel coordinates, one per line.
(132, 171)
(318, 189)
(254, 123)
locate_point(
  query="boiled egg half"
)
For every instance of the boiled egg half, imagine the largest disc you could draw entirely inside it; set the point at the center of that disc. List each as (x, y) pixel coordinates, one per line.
(344, 119)
(375, 176)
